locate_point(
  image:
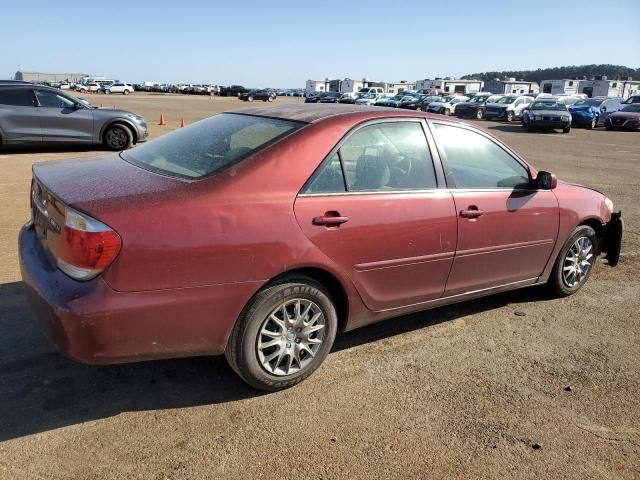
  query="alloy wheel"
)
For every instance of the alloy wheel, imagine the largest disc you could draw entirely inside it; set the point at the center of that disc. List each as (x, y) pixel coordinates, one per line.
(577, 262)
(116, 138)
(290, 337)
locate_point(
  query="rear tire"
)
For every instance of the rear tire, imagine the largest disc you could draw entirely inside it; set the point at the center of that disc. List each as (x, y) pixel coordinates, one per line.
(480, 114)
(447, 112)
(575, 262)
(117, 137)
(250, 99)
(126, 92)
(271, 352)
(592, 124)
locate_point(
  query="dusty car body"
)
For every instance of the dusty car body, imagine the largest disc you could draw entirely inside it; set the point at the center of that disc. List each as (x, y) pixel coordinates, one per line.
(145, 255)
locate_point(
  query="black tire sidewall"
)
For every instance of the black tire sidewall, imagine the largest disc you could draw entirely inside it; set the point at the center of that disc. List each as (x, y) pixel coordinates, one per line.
(556, 281)
(127, 133)
(242, 346)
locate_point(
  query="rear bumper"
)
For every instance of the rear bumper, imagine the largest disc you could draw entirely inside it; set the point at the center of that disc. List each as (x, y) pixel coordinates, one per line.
(92, 323)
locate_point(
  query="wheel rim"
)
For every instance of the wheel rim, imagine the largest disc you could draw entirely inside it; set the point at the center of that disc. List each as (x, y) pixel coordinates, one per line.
(116, 138)
(290, 337)
(577, 262)
(479, 114)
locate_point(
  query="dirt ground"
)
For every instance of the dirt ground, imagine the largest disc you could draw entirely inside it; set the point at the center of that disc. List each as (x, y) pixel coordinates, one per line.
(467, 391)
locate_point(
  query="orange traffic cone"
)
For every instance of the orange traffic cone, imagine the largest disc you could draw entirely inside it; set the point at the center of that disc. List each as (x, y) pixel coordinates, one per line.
(162, 120)
(182, 122)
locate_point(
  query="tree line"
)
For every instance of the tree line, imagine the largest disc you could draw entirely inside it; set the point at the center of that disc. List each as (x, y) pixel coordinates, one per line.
(612, 72)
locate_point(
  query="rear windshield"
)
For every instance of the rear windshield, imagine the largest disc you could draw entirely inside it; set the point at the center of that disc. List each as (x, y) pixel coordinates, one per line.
(210, 145)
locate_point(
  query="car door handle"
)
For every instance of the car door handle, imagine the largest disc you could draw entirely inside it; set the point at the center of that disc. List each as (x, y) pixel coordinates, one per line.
(471, 212)
(330, 219)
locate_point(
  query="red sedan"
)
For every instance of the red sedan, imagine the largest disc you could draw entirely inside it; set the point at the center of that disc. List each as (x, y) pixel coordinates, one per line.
(261, 233)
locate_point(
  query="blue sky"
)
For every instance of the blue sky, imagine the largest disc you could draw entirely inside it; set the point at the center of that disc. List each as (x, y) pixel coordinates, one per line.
(282, 44)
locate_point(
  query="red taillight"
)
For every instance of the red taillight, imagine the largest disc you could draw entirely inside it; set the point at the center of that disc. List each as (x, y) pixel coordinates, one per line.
(86, 246)
(93, 250)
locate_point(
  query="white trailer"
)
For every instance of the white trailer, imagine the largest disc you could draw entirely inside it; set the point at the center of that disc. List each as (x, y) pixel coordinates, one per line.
(565, 86)
(313, 86)
(630, 88)
(601, 88)
(150, 84)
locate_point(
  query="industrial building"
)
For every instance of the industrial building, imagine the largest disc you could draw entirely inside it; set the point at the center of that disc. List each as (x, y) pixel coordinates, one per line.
(49, 77)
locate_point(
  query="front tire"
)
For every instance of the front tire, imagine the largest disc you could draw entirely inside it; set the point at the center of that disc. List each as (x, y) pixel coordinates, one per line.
(566, 129)
(575, 262)
(480, 114)
(250, 99)
(509, 117)
(447, 112)
(117, 137)
(284, 334)
(126, 92)
(592, 124)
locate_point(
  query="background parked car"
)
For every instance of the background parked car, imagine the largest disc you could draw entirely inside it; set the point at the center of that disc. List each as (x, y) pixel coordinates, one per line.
(391, 100)
(507, 108)
(123, 88)
(626, 119)
(89, 87)
(416, 102)
(232, 91)
(446, 106)
(547, 114)
(368, 98)
(349, 97)
(474, 107)
(264, 95)
(586, 112)
(313, 97)
(35, 115)
(330, 97)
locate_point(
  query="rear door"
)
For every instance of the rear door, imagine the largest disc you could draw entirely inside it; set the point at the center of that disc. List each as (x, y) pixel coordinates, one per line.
(506, 229)
(18, 117)
(61, 120)
(375, 208)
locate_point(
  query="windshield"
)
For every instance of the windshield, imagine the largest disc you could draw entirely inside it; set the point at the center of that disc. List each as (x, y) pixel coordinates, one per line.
(370, 95)
(589, 101)
(548, 105)
(210, 145)
(635, 107)
(506, 100)
(481, 99)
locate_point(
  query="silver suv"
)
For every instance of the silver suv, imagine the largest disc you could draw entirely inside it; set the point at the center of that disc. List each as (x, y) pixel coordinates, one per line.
(35, 115)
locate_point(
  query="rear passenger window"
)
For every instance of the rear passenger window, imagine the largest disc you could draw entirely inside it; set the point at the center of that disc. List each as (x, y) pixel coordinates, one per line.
(19, 97)
(476, 162)
(329, 179)
(378, 158)
(388, 156)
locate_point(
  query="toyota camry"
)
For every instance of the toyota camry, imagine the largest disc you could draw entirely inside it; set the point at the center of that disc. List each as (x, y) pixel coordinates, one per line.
(261, 233)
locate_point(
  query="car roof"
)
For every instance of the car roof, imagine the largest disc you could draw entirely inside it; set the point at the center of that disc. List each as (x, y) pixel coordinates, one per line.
(311, 113)
(15, 82)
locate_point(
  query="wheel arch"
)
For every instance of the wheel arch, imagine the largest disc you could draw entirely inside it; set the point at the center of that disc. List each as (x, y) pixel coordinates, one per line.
(597, 226)
(330, 282)
(122, 121)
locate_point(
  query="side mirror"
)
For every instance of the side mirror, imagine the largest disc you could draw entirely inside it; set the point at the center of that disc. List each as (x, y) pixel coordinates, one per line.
(546, 181)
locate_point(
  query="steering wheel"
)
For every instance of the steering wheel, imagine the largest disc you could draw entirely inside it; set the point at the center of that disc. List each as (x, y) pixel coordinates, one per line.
(402, 164)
